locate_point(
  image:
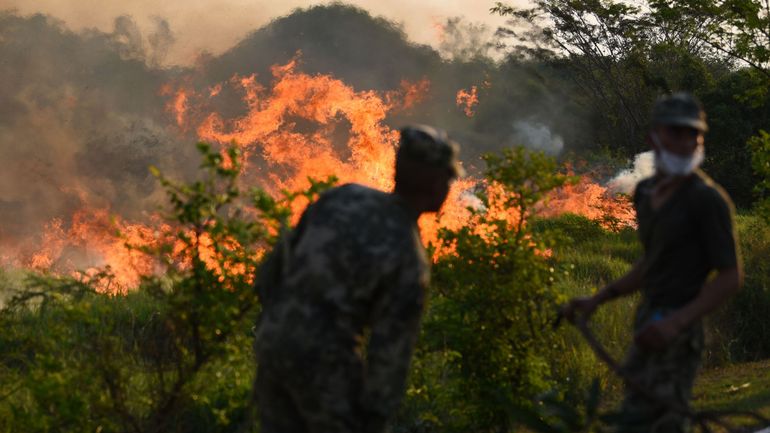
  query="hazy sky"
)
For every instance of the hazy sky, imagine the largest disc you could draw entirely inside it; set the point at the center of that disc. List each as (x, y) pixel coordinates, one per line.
(215, 25)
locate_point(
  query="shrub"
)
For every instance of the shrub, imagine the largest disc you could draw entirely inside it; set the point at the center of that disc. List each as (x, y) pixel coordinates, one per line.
(173, 355)
(487, 335)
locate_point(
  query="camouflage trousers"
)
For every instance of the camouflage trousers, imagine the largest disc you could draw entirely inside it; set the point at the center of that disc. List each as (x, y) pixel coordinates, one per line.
(668, 374)
(310, 397)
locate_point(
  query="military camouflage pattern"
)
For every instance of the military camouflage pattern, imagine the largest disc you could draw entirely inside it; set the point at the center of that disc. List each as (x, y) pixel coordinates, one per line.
(669, 374)
(336, 336)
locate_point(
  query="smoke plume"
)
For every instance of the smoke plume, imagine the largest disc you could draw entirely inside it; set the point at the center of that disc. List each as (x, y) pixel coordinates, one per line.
(537, 136)
(84, 113)
(214, 26)
(625, 181)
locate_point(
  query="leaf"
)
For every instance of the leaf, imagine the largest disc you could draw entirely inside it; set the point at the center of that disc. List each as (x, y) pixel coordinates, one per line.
(532, 419)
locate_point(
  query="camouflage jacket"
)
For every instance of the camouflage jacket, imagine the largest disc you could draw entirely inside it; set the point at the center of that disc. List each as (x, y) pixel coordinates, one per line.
(355, 270)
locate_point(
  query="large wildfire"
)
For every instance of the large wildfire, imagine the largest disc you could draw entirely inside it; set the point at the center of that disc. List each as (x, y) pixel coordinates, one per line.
(300, 126)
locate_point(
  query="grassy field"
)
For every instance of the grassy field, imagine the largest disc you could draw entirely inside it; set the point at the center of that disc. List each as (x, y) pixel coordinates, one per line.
(51, 355)
(736, 387)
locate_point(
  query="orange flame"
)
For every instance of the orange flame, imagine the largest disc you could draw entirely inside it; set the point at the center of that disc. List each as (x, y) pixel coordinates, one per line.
(593, 201)
(414, 93)
(467, 100)
(298, 127)
(92, 241)
(268, 128)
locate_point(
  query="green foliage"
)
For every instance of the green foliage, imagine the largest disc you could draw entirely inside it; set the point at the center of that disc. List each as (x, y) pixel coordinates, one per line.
(525, 177)
(175, 353)
(171, 355)
(487, 334)
(738, 29)
(618, 57)
(732, 123)
(593, 257)
(760, 161)
(739, 332)
(621, 55)
(552, 415)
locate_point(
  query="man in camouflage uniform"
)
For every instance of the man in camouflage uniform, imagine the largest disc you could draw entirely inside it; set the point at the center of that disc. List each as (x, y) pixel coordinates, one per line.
(687, 232)
(340, 317)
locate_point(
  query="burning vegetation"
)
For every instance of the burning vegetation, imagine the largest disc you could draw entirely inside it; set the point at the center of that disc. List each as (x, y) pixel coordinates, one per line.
(290, 124)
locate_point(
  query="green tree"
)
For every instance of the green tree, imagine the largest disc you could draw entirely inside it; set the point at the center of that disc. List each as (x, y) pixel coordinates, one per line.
(736, 29)
(594, 36)
(486, 335)
(624, 55)
(620, 56)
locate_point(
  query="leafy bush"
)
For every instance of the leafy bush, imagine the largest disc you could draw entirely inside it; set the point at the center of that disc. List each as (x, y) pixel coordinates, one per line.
(172, 355)
(487, 335)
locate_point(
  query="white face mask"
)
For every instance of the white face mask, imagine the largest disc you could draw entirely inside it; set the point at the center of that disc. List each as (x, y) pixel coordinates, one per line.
(675, 165)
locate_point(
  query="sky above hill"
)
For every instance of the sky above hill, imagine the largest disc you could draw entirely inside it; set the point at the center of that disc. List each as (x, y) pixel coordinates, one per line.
(216, 25)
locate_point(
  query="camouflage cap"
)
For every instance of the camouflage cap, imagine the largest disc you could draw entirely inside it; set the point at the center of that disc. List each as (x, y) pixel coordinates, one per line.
(431, 146)
(679, 109)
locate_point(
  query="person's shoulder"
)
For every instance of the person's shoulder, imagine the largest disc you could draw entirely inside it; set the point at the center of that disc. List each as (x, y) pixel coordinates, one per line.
(364, 210)
(706, 187)
(351, 196)
(706, 190)
(381, 215)
(354, 190)
(643, 188)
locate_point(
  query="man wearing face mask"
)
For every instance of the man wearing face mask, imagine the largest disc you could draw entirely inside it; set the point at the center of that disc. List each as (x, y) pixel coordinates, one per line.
(687, 232)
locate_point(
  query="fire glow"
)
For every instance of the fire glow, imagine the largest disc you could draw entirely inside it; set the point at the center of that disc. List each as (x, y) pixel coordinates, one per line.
(289, 131)
(467, 100)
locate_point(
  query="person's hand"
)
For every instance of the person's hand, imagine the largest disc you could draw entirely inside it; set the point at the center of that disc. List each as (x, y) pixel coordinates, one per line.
(581, 306)
(657, 335)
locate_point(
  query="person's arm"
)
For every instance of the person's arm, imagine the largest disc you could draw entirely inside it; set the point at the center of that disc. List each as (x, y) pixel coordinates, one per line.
(394, 330)
(623, 286)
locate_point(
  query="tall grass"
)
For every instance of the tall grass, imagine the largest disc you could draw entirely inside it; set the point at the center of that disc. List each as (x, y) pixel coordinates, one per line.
(740, 331)
(590, 257)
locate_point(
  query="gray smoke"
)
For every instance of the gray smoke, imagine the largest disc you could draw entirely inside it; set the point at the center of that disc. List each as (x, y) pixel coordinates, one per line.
(81, 120)
(216, 25)
(464, 41)
(160, 40)
(82, 114)
(131, 44)
(128, 38)
(625, 181)
(537, 136)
